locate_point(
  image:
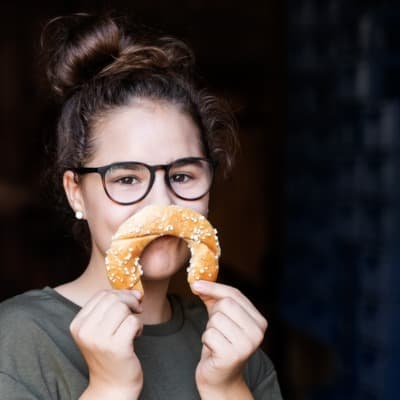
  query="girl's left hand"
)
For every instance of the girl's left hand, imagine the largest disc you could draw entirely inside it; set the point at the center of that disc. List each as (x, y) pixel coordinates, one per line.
(234, 331)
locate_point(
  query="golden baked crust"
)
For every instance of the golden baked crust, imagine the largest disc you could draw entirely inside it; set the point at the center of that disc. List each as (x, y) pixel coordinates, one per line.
(151, 222)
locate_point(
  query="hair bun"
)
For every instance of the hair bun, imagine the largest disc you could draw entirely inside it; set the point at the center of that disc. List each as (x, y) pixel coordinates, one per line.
(76, 47)
(163, 53)
(80, 47)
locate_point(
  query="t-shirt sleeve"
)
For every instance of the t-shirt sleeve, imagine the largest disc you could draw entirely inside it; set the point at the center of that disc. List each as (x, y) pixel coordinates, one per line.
(19, 365)
(26, 354)
(261, 377)
(38, 357)
(10, 389)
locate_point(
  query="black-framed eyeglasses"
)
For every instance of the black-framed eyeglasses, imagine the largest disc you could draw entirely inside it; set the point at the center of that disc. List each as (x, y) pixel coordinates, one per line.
(129, 182)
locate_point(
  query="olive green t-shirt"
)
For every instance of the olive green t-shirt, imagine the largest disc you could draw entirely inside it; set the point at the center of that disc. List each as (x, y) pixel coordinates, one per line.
(39, 359)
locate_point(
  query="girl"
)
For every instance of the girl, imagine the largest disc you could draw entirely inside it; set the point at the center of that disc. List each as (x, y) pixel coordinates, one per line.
(129, 102)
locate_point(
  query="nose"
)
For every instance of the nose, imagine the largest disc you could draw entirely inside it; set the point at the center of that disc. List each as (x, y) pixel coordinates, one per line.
(160, 193)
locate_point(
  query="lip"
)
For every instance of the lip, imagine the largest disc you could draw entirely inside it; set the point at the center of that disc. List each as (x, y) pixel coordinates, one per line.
(162, 241)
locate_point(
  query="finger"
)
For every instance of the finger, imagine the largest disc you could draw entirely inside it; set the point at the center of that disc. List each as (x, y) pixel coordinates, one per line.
(243, 341)
(129, 328)
(113, 316)
(216, 342)
(88, 307)
(210, 292)
(213, 290)
(99, 307)
(131, 298)
(86, 310)
(111, 300)
(235, 311)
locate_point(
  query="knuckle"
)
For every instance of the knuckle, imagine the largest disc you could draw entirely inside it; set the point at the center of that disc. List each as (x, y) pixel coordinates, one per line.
(110, 296)
(79, 335)
(257, 334)
(216, 318)
(264, 324)
(236, 292)
(227, 303)
(73, 327)
(76, 330)
(208, 334)
(133, 322)
(258, 337)
(107, 296)
(247, 349)
(104, 293)
(121, 308)
(84, 334)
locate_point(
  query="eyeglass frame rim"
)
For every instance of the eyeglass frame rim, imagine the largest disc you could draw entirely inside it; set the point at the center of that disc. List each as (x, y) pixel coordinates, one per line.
(102, 170)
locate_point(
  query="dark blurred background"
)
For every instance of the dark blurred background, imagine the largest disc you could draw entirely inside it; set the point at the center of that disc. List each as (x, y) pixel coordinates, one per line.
(308, 222)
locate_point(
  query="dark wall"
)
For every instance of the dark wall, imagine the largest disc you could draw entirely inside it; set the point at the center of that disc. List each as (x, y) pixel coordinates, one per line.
(239, 51)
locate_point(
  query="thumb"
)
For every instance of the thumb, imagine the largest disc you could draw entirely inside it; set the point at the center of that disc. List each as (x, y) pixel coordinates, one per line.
(201, 289)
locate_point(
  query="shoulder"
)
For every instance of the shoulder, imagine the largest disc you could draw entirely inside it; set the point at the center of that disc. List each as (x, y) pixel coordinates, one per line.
(32, 323)
(27, 306)
(21, 332)
(37, 350)
(22, 307)
(20, 318)
(32, 311)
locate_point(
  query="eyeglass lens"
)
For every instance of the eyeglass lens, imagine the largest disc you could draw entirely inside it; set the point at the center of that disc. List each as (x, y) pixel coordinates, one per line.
(129, 182)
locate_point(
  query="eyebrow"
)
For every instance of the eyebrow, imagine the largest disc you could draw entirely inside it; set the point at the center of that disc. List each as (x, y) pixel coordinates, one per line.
(125, 164)
(184, 161)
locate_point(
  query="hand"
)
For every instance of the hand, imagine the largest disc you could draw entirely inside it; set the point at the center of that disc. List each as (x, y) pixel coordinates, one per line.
(234, 331)
(104, 330)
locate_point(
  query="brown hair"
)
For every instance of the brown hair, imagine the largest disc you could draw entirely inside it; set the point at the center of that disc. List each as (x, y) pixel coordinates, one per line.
(95, 64)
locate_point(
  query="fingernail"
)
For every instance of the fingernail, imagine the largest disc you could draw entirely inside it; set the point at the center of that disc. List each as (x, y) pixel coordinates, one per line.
(137, 294)
(198, 285)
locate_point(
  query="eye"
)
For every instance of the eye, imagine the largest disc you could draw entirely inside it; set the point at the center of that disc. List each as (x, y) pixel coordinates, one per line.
(127, 177)
(180, 178)
(127, 180)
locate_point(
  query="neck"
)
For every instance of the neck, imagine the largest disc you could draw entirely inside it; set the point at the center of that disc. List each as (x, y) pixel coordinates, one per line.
(156, 307)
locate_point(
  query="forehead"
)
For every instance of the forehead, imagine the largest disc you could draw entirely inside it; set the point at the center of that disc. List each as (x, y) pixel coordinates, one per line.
(147, 131)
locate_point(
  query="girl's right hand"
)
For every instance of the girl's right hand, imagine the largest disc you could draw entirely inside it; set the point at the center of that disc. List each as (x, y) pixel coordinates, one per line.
(104, 330)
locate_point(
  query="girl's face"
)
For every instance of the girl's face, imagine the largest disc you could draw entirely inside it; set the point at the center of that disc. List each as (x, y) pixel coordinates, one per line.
(146, 131)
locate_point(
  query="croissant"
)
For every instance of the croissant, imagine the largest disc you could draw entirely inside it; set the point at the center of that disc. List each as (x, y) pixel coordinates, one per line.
(151, 222)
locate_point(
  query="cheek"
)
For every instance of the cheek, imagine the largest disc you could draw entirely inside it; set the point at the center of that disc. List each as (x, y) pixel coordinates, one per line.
(104, 217)
(201, 205)
(103, 224)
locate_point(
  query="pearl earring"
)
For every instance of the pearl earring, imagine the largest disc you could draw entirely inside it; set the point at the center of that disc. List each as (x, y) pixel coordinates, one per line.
(78, 214)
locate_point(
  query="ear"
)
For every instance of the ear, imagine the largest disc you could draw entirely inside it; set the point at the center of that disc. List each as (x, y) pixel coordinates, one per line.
(73, 190)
